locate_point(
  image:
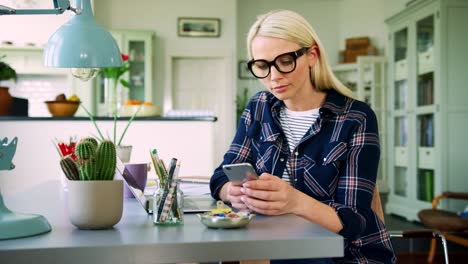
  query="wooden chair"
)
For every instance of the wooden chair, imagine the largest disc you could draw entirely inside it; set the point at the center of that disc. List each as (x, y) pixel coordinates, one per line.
(448, 224)
(376, 205)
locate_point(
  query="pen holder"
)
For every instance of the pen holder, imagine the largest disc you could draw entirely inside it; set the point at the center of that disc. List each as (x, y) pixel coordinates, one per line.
(168, 205)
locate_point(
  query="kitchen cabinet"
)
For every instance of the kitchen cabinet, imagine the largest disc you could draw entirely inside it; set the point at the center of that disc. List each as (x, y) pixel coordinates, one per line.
(428, 113)
(367, 79)
(139, 46)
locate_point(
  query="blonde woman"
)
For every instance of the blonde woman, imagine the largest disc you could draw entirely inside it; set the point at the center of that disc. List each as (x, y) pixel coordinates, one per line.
(315, 148)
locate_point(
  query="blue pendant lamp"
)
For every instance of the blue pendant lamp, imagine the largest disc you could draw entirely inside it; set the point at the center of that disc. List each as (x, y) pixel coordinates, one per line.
(82, 43)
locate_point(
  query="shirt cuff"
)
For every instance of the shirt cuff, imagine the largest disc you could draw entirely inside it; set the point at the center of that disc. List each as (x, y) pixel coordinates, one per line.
(353, 223)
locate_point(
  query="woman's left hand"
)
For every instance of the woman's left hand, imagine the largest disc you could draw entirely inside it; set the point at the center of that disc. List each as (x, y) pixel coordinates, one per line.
(270, 195)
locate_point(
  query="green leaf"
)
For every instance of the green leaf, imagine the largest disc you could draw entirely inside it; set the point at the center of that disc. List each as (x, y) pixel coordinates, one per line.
(125, 83)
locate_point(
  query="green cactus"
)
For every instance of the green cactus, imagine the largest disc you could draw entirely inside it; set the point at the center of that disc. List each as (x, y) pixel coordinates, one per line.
(106, 160)
(85, 150)
(70, 168)
(93, 162)
(92, 140)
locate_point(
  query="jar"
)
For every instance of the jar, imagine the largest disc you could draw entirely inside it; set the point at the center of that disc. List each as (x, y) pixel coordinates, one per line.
(168, 205)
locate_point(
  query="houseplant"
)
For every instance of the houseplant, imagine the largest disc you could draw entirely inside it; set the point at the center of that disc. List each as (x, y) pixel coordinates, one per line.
(6, 73)
(95, 199)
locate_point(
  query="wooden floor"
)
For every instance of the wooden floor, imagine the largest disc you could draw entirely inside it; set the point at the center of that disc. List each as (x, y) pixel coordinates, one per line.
(459, 257)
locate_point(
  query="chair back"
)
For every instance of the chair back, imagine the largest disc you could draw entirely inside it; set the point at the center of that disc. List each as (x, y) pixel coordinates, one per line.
(376, 204)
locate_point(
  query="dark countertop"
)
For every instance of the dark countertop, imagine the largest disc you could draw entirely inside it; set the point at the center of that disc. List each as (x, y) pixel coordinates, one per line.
(83, 118)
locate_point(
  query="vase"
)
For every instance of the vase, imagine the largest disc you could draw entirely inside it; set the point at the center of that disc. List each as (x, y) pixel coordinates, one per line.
(5, 101)
(113, 95)
(95, 204)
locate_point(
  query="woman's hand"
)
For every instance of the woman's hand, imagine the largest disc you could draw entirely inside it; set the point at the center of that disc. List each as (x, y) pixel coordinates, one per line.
(232, 193)
(270, 195)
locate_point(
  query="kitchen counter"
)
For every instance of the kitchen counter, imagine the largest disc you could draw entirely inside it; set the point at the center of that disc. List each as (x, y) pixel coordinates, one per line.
(84, 118)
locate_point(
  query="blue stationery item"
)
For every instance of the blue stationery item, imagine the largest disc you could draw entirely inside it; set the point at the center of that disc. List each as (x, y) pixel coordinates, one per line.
(16, 225)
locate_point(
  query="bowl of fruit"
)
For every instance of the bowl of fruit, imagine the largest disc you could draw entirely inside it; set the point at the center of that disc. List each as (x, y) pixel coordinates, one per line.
(63, 106)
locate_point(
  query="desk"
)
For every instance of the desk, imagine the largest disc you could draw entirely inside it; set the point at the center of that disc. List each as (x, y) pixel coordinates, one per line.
(136, 240)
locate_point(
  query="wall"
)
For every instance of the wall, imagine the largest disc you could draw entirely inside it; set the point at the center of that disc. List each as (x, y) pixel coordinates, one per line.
(23, 29)
(367, 18)
(333, 20)
(161, 16)
(318, 12)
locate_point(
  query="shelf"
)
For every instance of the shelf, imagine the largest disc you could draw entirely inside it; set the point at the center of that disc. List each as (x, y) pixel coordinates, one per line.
(344, 67)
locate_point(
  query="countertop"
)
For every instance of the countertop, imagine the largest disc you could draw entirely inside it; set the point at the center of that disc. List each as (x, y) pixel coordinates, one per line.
(84, 118)
(135, 239)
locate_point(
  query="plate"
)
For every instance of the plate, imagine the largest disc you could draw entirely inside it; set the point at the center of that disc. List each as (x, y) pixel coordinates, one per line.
(146, 110)
(211, 220)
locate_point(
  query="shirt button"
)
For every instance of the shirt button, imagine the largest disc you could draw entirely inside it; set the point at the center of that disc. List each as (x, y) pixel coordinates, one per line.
(281, 159)
(297, 153)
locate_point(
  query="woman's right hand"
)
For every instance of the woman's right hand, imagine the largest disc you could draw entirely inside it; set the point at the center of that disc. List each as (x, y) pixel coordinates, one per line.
(231, 193)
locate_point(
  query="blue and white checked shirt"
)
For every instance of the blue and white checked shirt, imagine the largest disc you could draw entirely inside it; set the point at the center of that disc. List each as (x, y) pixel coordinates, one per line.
(335, 162)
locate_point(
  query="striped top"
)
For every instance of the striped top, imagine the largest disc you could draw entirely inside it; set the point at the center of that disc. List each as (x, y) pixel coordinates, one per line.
(295, 124)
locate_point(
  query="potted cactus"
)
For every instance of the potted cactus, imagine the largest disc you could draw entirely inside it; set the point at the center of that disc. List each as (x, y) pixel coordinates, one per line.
(95, 199)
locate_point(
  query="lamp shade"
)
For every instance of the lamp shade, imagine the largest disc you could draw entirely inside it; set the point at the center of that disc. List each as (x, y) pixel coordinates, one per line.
(82, 43)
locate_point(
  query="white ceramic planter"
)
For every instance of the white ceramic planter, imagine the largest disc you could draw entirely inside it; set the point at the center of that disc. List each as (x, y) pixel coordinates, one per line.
(95, 204)
(124, 152)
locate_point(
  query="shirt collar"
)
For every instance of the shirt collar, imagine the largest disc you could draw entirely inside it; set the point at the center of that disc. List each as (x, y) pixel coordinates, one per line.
(335, 103)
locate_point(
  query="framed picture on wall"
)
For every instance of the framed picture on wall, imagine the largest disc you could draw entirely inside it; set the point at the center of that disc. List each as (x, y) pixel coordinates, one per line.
(198, 27)
(244, 72)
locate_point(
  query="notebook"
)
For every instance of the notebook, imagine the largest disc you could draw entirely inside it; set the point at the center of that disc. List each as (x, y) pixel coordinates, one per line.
(192, 204)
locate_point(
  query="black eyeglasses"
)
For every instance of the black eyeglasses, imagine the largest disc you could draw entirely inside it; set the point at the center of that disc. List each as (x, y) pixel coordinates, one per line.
(284, 63)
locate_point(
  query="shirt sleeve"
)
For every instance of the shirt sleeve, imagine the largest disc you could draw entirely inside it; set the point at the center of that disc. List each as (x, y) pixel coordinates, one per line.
(239, 151)
(358, 176)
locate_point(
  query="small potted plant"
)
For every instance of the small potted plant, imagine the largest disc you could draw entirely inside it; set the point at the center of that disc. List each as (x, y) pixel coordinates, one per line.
(95, 199)
(6, 73)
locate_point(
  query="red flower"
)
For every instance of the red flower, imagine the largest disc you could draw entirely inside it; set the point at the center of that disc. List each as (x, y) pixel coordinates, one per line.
(124, 57)
(65, 149)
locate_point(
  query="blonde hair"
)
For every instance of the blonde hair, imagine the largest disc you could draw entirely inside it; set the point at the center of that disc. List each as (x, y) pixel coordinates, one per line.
(290, 26)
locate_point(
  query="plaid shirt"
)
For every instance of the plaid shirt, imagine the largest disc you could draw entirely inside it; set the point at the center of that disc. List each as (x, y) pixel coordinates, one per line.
(335, 162)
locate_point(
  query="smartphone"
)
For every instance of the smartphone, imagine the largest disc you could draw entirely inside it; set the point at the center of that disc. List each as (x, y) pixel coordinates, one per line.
(240, 172)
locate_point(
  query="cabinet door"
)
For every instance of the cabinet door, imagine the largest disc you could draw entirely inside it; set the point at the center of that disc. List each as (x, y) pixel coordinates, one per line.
(400, 110)
(425, 107)
(138, 46)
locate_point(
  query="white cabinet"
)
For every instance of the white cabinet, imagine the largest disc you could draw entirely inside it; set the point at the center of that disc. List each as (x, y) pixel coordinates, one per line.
(428, 112)
(139, 46)
(367, 79)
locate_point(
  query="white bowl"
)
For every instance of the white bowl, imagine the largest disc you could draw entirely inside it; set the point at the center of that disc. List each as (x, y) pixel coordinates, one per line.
(146, 110)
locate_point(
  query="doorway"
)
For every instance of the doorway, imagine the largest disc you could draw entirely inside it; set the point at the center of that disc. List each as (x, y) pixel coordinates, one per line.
(204, 84)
